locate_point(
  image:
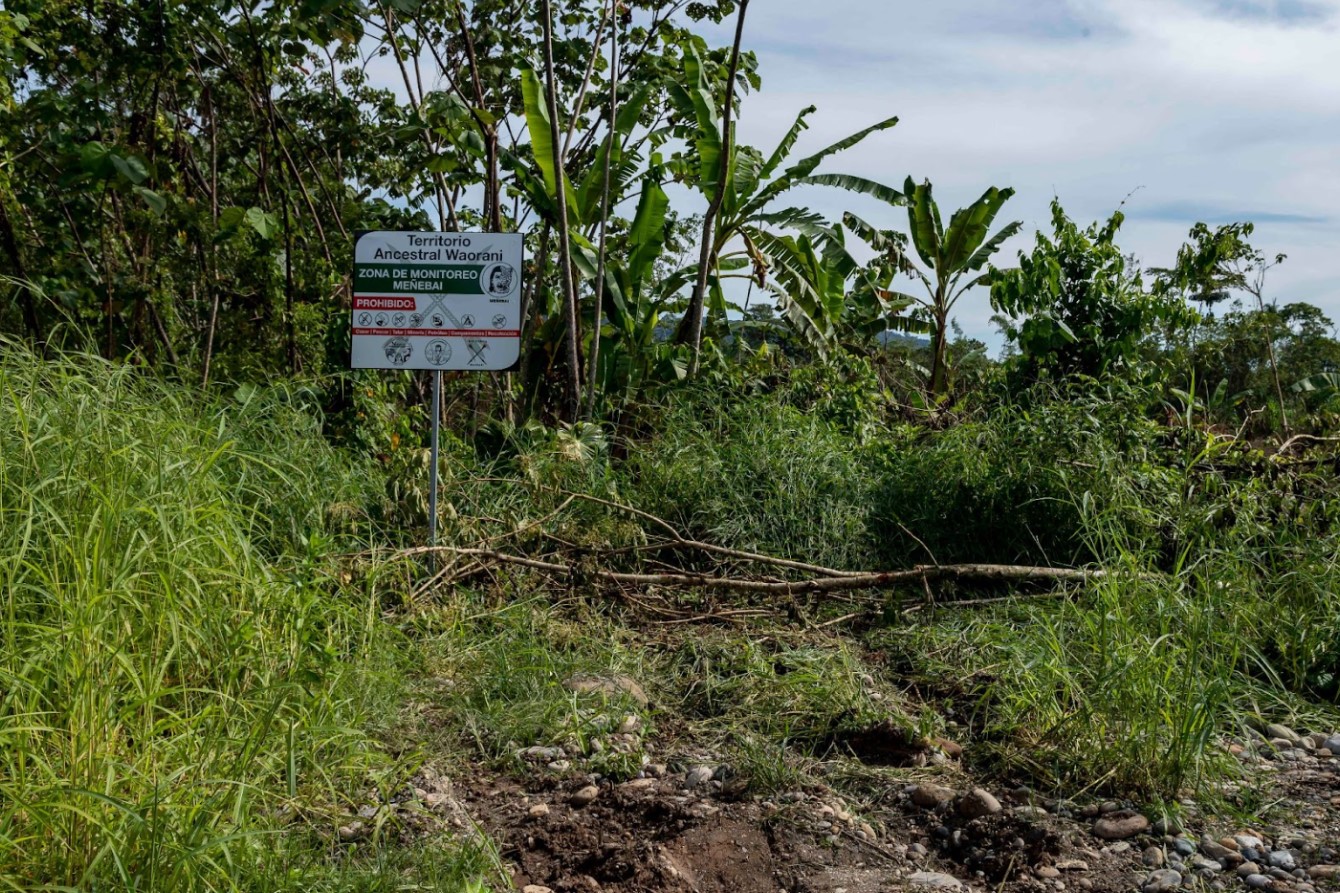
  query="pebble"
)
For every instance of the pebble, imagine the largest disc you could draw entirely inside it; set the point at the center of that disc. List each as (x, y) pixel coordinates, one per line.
(1248, 868)
(1072, 865)
(535, 888)
(610, 686)
(1200, 863)
(1324, 872)
(1276, 730)
(353, 831)
(978, 803)
(1214, 850)
(1047, 872)
(1153, 857)
(538, 811)
(917, 849)
(1258, 881)
(1183, 847)
(934, 879)
(585, 797)
(1030, 813)
(1120, 825)
(1282, 859)
(929, 796)
(1161, 881)
(1332, 744)
(698, 775)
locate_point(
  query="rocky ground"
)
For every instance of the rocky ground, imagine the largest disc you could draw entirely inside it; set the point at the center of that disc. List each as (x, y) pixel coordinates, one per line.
(698, 826)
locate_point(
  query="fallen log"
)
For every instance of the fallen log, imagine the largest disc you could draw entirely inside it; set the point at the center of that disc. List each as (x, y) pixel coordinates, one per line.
(919, 574)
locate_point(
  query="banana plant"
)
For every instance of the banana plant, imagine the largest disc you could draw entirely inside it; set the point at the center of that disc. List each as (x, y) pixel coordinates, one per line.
(752, 185)
(953, 259)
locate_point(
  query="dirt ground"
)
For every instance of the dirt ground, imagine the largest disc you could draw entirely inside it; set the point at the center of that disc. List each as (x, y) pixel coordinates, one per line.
(665, 834)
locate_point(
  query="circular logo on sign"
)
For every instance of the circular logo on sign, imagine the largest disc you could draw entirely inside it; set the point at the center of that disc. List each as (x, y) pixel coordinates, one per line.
(499, 321)
(398, 350)
(399, 320)
(438, 352)
(497, 279)
(468, 321)
(381, 320)
(365, 319)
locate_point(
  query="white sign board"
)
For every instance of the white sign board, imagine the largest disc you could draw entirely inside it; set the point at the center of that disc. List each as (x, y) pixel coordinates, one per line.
(437, 301)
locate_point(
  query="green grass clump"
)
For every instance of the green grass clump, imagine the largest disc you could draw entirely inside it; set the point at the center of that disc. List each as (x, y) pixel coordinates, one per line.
(178, 665)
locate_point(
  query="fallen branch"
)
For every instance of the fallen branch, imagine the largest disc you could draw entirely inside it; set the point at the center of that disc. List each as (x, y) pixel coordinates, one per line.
(920, 574)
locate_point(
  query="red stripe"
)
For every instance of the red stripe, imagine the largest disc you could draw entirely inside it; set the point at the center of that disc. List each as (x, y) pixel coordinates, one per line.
(439, 333)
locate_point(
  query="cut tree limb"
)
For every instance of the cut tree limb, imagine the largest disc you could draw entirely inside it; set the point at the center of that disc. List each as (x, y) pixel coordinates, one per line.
(921, 574)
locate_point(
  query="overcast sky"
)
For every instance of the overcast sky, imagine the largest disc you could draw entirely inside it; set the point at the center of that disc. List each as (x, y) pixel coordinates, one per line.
(1213, 110)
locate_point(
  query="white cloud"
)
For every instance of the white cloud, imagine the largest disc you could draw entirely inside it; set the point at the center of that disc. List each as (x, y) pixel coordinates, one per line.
(1225, 109)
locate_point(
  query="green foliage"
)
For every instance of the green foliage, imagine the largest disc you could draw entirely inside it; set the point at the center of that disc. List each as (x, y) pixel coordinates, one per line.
(182, 660)
(755, 475)
(950, 256)
(1075, 307)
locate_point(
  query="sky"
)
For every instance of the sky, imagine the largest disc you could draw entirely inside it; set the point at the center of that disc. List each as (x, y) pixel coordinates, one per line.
(1187, 110)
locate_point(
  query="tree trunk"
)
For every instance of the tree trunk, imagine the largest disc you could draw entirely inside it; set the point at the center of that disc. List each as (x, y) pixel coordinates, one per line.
(594, 359)
(693, 316)
(564, 243)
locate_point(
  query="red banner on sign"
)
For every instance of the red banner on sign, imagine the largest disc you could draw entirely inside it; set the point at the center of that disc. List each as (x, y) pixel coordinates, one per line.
(367, 303)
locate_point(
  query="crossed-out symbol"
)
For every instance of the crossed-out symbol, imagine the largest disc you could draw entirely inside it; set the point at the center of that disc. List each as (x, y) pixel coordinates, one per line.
(436, 305)
(477, 349)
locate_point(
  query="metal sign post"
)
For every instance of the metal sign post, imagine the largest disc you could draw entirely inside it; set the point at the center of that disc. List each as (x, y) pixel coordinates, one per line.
(432, 473)
(436, 301)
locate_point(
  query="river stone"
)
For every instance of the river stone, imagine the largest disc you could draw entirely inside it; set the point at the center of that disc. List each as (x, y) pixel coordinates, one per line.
(535, 888)
(698, 775)
(1258, 882)
(585, 797)
(978, 803)
(1162, 881)
(935, 880)
(1278, 730)
(611, 686)
(1120, 825)
(929, 796)
(1248, 868)
(1332, 744)
(1214, 850)
(1282, 859)
(1153, 857)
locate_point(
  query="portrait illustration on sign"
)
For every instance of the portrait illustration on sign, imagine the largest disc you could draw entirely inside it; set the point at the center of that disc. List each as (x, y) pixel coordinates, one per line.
(438, 352)
(497, 279)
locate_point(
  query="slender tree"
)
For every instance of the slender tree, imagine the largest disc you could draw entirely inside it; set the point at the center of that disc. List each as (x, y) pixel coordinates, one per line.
(564, 238)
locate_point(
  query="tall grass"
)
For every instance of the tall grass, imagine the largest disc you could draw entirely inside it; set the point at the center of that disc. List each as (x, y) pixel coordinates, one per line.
(173, 667)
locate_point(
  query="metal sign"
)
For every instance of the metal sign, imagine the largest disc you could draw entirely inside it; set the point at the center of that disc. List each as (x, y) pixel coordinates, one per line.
(437, 301)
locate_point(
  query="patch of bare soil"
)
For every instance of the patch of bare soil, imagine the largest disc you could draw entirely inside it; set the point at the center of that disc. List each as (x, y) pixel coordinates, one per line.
(677, 833)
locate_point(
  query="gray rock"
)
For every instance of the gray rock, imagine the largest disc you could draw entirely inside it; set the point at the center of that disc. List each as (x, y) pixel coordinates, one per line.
(1258, 882)
(698, 775)
(934, 879)
(1029, 813)
(585, 797)
(978, 803)
(1282, 859)
(1332, 744)
(1277, 730)
(1161, 881)
(1247, 868)
(929, 796)
(1215, 850)
(1184, 847)
(1248, 840)
(1120, 825)
(1202, 863)
(1279, 874)
(1324, 872)
(354, 831)
(1153, 857)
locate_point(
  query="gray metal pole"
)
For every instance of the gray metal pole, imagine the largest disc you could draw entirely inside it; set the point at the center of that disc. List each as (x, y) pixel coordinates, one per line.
(432, 473)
